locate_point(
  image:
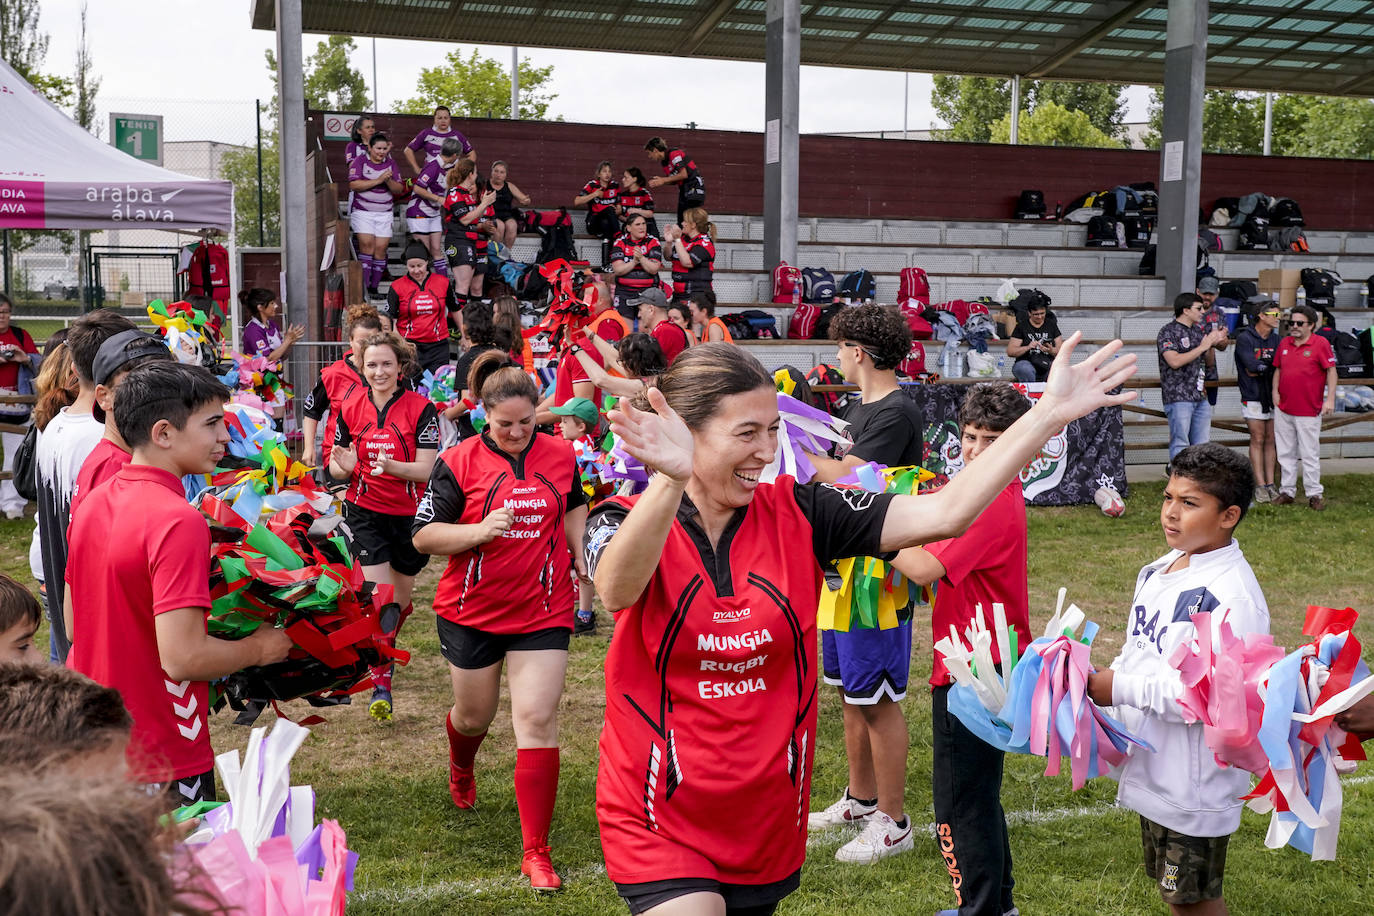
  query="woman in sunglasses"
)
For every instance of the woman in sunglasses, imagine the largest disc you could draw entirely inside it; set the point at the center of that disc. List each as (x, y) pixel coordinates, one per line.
(1255, 347)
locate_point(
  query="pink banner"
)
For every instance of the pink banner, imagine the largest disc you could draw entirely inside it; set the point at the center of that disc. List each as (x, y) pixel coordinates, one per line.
(21, 204)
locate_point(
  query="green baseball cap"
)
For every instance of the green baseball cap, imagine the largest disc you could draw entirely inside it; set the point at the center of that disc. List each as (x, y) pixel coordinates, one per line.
(581, 408)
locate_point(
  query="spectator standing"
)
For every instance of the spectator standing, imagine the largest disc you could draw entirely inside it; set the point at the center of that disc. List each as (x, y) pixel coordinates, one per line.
(692, 250)
(374, 180)
(19, 362)
(466, 225)
(56, 389)
(504, 207)
(600, 196)
(359, 138)
(678, 169)
(1303, 366)
(1255, 349)
(423, 219)
(653, 319)
(636, 259)
(1033, 344)
(1182, 344)
(635, 199)
(430, 141)
(711, 328)
(482, 333)
(262, 333)
(422, 307)
(1208, 288)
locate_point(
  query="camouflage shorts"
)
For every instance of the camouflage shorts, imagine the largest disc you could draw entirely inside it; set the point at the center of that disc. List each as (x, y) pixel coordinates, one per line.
(1186, 869)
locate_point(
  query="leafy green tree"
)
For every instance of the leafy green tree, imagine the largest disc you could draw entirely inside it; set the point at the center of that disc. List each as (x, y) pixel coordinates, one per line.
(1104, 104)
(1233, 122)
(1051, 124)
(24, 47)
(972, 105)
(331, 82)
(87, 83)
(240, 167)
(479, 87)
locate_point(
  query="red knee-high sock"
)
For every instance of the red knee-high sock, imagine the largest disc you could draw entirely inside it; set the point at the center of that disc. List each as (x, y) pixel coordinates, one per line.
(462, 749)
(536, 789)
(381, 675)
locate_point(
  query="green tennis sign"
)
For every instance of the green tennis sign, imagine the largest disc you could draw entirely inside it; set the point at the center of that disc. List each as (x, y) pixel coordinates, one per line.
(138, 135)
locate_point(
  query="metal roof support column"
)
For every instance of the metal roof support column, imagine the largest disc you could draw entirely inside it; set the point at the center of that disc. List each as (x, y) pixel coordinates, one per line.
(515, 84)
(295, 182)
(782, 141)
(1015, 110)
(1185, 72)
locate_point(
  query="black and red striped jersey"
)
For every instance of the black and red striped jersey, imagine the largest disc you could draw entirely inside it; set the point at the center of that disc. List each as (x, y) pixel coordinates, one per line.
(624, 250)
(637, 200)
(609, 195)
(459, 202)
(405, 426)
(421, 310)
(677, 159)
(523, 580)
(703, 255)
(337, 381)
(711, 686)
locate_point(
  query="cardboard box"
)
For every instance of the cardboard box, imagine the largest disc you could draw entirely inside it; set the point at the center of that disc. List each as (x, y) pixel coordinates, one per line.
(1284, 281)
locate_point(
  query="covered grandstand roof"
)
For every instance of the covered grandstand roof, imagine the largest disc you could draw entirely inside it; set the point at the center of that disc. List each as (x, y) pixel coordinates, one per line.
(1316, 46)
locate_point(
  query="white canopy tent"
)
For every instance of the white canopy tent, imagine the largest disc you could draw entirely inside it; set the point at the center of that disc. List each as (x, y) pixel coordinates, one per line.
(56, 175)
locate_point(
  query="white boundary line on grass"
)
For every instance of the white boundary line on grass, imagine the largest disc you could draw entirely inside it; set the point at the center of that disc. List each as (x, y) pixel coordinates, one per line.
(480, 887)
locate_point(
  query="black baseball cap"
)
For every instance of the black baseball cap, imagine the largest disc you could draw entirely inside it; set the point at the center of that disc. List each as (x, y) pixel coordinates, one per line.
(117, 352)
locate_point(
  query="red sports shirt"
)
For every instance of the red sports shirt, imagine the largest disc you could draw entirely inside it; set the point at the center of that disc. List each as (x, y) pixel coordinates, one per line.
(521, 581)
(459, 202)
(625, 249)
(606, 201)
(1302, 375)
(702, 252)
(337, 381)
(422, 309)
(139, 550)
(705, 757)
(100, 465)
(671, 338)
(987, 563)
(407, 424)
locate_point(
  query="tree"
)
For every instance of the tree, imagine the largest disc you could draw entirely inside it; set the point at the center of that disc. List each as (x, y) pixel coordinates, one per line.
(87, 84)
(1233, 122)
(1051, 124)
(240, 168)
(972, 105)
(331, 82)
(479, 87)
(24, 47)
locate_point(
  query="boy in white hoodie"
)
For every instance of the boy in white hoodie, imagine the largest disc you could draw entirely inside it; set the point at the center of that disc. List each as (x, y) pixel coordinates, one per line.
(1189, 805)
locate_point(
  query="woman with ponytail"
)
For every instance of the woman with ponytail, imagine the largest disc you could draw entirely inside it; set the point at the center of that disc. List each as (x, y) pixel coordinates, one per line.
(692, 248)
(507, 508)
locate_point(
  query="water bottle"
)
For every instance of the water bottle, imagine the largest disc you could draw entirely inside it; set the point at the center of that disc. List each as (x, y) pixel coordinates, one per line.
(1302, 296)
(1002, 366)
(796, 295)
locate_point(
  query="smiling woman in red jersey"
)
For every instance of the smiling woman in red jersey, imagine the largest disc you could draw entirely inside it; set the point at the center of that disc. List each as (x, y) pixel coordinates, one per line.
(692, 250)
(385, 444)
(714, 577)
(508, 510)
(338, 380)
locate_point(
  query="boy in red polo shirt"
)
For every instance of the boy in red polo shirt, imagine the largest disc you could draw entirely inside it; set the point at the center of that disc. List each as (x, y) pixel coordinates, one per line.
(139, 576)
(1303, 366)
(985, 564)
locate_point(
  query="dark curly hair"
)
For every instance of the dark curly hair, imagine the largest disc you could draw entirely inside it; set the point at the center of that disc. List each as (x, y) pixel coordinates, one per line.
(1219, 471)
(881, 330)
(642, 356)
(992, 406)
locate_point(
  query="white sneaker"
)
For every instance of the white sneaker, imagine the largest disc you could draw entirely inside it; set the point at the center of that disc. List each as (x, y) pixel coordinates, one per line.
(844, 812)
(881, 837)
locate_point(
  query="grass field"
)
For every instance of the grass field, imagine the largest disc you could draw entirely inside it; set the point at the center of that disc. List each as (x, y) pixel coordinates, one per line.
(1074, 852)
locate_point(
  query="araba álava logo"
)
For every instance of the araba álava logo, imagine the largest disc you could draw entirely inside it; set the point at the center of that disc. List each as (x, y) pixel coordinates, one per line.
(134, 204)
(1044, 472)
(13, 201)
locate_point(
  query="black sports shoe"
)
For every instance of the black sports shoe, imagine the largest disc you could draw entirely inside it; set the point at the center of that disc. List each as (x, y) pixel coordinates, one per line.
(586, 624)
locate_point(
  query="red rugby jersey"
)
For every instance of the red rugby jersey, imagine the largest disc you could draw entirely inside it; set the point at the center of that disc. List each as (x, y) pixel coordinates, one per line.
(637, 200)
(523, 580)
(421, 310)
(606, 201)
(459, 202)
(677, 159)
(625, 249)
(407, 424)
(705, 757)
(337, 381)
(703, 254)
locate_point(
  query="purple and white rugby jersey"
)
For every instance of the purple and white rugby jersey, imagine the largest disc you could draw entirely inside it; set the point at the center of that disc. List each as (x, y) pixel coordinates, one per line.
(431, 141)
(432, 179)
(378, 199)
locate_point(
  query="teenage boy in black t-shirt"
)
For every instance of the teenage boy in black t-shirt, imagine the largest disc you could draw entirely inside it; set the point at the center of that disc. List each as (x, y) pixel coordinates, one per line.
(871, 666)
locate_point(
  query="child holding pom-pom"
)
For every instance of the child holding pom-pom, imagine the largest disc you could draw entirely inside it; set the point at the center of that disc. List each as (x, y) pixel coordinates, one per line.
(1189, 805)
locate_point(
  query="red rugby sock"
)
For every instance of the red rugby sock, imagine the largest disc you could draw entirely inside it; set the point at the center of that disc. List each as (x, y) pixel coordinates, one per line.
(536, 789)
(462, 749)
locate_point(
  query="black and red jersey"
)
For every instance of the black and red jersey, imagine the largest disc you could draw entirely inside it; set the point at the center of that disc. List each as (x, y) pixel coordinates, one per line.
(636, 200)
(406, 425)
(459, 202)
(624, 249)
(607, 201)
(702, 252)
(523, 580)
(337, 381)
(421, 310)
(705, 757)
(677, 159)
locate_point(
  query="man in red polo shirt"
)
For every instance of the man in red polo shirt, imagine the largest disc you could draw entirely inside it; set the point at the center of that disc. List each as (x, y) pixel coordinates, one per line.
(139, 575)
(653, 318)
(1304, 366)
(985, 564)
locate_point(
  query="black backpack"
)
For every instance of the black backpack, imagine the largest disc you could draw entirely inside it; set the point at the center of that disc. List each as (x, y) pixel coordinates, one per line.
(832, 402)
(738, 326)
(1320, 286)
(1254, 233)
(1349, 358)
(556, 242)
(763, 325)
(859, 284)
(828, 312)
(1239, 290)
(1138, 231)
(1147, 262)
(1286, 212)
(1369, 291)
(1030, 205)
(1366, 339)
(1102, 233)
(26, 466)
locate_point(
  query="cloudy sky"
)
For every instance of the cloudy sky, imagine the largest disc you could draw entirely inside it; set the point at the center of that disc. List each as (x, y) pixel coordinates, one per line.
(201, 72)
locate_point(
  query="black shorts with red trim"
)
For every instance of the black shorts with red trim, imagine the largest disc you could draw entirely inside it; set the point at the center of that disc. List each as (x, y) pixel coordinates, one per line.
(739, 898)
(471, 649)
(375, 538)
